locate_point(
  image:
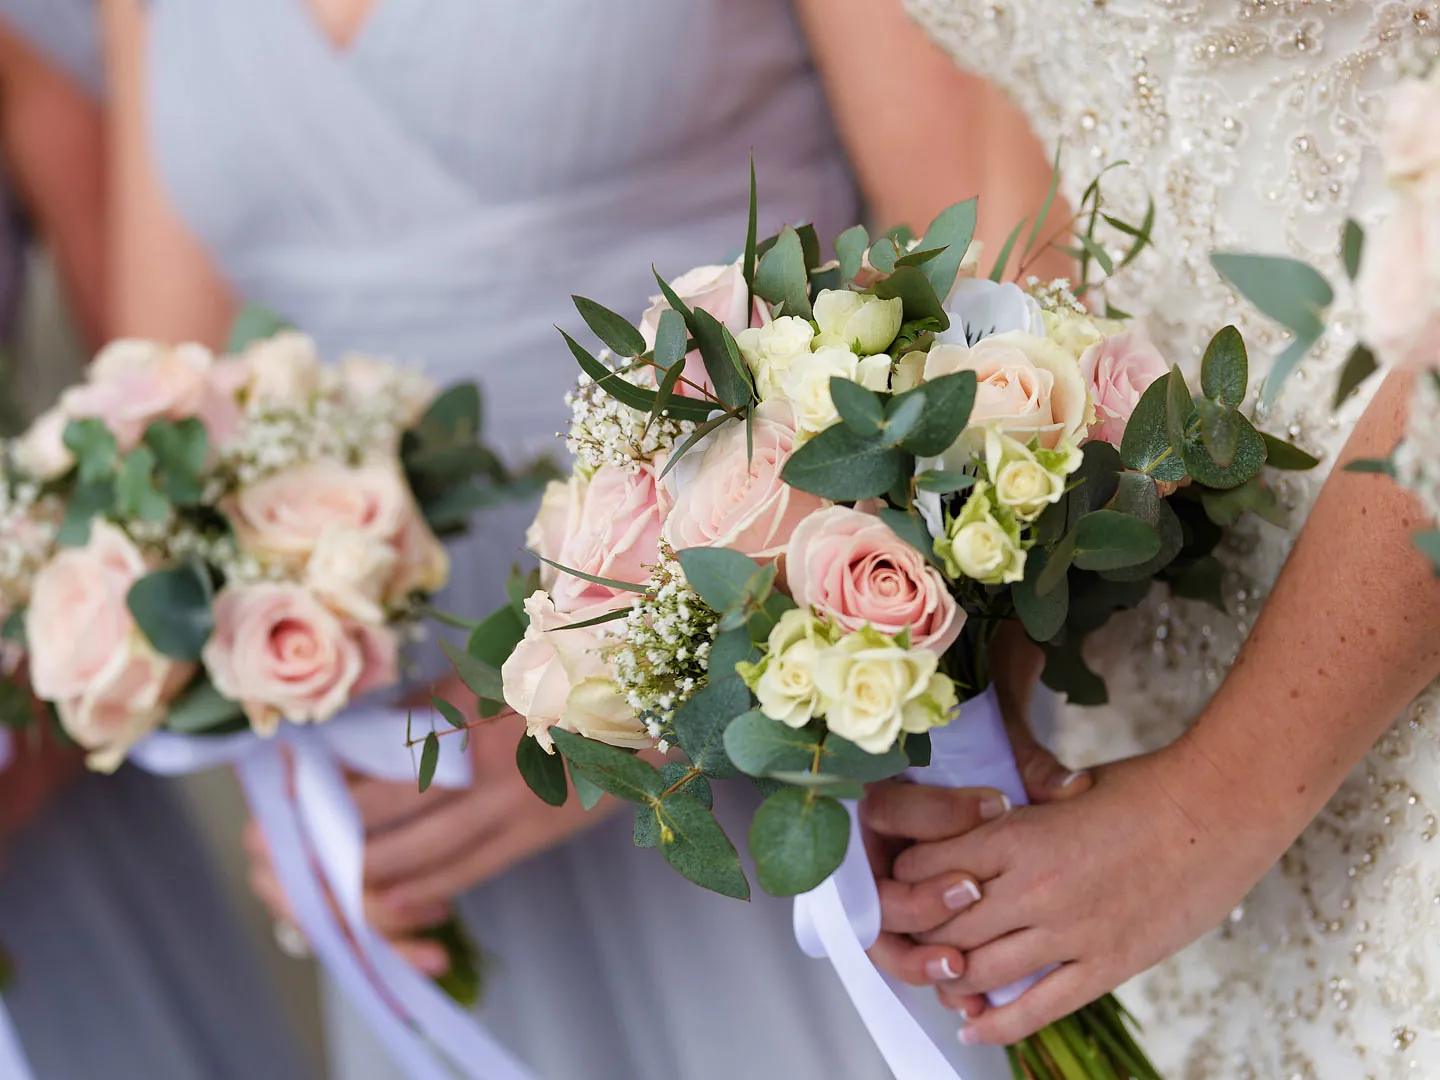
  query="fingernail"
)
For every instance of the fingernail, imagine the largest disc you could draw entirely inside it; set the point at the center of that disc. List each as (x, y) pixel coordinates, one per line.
(964, 1015)
(433, 962)
(936, 970)
(969, 1036)
(994, 806)
(960, 896)
(1069, 778)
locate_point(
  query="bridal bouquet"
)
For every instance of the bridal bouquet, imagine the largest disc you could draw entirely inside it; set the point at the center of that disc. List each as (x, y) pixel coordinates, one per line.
(807, 496)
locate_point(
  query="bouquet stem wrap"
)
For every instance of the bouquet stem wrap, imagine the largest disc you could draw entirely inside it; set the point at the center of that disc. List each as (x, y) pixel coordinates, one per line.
(840, 919)
(12, 1055)
(317, 842)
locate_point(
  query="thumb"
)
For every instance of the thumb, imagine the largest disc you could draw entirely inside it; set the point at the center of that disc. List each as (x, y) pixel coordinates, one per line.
(1046, 780)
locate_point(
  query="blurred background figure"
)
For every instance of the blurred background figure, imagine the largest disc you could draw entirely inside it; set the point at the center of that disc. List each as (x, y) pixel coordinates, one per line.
(129, 961)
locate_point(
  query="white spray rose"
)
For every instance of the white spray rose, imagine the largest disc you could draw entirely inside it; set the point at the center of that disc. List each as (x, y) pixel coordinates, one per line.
(771, 349)
(872, 688)
(857, 321)
(983, 544)
(784, 681)
(1027, 479)
(807, 383)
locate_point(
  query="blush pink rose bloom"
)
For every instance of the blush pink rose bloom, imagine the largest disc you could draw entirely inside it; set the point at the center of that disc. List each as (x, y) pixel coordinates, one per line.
(609, 526)
(559, 677)
(283, 655)
(86, 654)
(1410, 140)
(729, 501)
(721, 291)
(852, 567)
(1399, 284)
(131, 384)
(1119, 369)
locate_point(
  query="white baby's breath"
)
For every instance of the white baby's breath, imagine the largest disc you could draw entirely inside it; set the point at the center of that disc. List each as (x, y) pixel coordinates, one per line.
(605, 432)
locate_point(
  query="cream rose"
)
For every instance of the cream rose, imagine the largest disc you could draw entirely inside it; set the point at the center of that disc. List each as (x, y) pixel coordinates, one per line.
(422, 565)
(283, 370)
(86, 654)
(857, 321)
(559, 677)
(1119, 369)
(806, 385)
(872, 689)
(350, 572)
(557, 518)
(853, 568)
(1073, 332)
(1026, 481)
(41, 453)
(784, 681)
(283, 655)
(1410, 140)
(770, 351)
(981, 544)
(1029, 385)
(1399, 285)
(615, 534)
(732, 501)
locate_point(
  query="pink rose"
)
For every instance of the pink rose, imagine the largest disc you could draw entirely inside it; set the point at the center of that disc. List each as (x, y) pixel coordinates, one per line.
(422, 565)
(1399, 285)
(283, 655)
(853, 568)
(559, 677)
(615, 533)
(728, 501)
(1119, 369)
(557, 518)
(1410, 141)
(131, 384)
(86, 654)
(721, 291)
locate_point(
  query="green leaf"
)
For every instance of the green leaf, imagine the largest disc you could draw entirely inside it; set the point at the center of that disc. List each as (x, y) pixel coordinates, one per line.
(429, 758)
(87, 502)
(763, 621)
(752, 220)
(1280, 454)
(919, 257)
(1382, 466)
(883, 254)
(695, 845)
(1043, 616)
(495, 638)
(628, 394)
(135, 492)
(1224, 508)
(646, 830)
(907, 525)
(842, 758)
(464, 978)
(254, 323)
(836, 787)
(1248, 460)
(913, 287)
(453, 716)
(13, 628)
(1225, 370)
(809, 244)
(1219, 430)
(858, 407)
(850, 248)
(902, 414)
(1098, 253)
(944, 483)
(952, 230)
(622, 775)
(1179, 408)
(700, 723)
(722, 359)
(690, 440)
(598, 620)
(1291, 292)
(1141, 235)
(614, 330)
(947, 404)
(1146, 446)
(482, 679)
(1286, 363)
(781, 277)
(1429, 545)
(719, 575)
(918, 748)
(734, 647)
(609, 583)
(1067, 673)
(173, 609)
(201, 708)
(1201, 579)
(1109, 540)
(696, 786)
(840, 465)
(589, 794)
(1138, 497)
(997, 272)
(1047, 204)
(670, 341)
(1359, 366)
(181, 450)
(94, 448)
(1094, 484)
(798, 840)
(1057, 564)
(759, 746)
(545, 773)
(1352, 244)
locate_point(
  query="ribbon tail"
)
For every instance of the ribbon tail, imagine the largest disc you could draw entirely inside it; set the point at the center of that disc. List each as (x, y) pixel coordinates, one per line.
(12, 1054)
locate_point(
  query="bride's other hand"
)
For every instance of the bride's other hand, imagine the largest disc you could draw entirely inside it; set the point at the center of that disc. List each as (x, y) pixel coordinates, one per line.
(39, 770)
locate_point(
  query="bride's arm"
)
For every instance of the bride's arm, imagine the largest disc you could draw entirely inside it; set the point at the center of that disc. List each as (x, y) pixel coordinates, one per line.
(1165, 845)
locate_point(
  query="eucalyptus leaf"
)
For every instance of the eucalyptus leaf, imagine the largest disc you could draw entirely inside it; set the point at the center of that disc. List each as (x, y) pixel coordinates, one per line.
(907, 525)
(174, 610)
(544, 773)
(1225, 369)
(181, 451)
(782, 276)
(752, 221)
(1146, 445)
(1057, 564)
(850, 249)
(842, 466)
(759, 746)
(951, 233)
(719, 575)
(1248, 459)
(1280, 454)
(614, 330)
(254, 323)
(482, 679)
(914, 288)
(453, 716)
(1219, 430)
(1043, 616)
(1067, 673)
(947, 402)
(883, 254)
(135, 492)
(944, 482)
(1002, 260)
(1359, 366)
(87, 502)
(695, 845)
(1379, 466)
(670, 340)
(1352, 245)
(594, 579)
(701, 722)
(1138, 497)
(201, 708)
(797, 839)
(858, 407)
(94, 448)
(1291, 292)
(588, 793)
(1110, 540)
(842, 758)
(622, 775)
(1226, 507)
(1201, 579)
(1286, 363)
(429, 759)
(722, 359)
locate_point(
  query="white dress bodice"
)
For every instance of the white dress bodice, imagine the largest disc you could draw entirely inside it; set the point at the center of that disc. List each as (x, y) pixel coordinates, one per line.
(1252, 123)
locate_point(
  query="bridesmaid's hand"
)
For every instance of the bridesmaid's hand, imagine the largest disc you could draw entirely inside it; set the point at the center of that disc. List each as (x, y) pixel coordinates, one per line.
(1106, 886)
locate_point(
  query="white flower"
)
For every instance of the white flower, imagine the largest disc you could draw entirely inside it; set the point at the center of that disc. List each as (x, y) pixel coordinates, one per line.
(857, 321)
(784, 681)
(872, 689)
(41, 452)
(771, 349)
(981, 544)
(284, 370)
(1027, 480)
(807, 383)
(349, 571)
(1071, 331)
(981, 308)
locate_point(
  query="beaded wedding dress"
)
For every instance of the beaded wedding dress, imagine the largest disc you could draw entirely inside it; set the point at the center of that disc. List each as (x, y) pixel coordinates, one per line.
(1253, 124)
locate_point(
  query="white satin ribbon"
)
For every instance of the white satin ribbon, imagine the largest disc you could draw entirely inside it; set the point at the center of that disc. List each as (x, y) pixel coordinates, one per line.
(12, 1055)
(841, 919)
(317, 844)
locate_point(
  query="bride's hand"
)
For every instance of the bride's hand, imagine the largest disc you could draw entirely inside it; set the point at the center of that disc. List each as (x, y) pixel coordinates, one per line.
(1159, 851)
(39, 770)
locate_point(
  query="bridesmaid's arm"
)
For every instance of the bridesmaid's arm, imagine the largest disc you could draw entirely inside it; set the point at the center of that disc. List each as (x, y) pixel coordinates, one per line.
(1166, 844)
(52, 137)
(920, 132)
(163, 283)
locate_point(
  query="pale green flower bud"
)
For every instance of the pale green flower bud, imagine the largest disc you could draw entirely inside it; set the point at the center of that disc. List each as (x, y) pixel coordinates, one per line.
(983, 544)
(856, 321)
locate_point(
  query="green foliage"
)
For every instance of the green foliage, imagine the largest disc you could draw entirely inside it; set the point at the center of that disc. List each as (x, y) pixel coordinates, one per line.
(87, 502)
(841, 465)
(950, 234)
(609, 768)
(721, 354)
(1280, 454)
(914, 289)
(883, 254)
(1067, 673)
(752, 223)
(997, 272)
(1359, 366)
(759, 746)
(1248, 458)
(842, 758)
(782, 277)
(135, 492)
(545, 773)
(464, 979)
(181, 450)
(1146, 446)
(1138, 498)
(695, 845)
(701, 723)
(1199, 579)
(798, 839)
(1110, 540)
(201, 709)
(614, 330)
(1225, 369)
(1381, 466)
(1429, 545)
(480, 678)
(1352, 246)
(850, 247)
(907, 525)
(859, 408)
(944, 483)
(429, 759)
(492, 642)
(1042, 615)
(1219, 431)
(589, 794)
(173, 609)
(94, 448)
(254, 323)
(943, 415)
(1057, 563)
(721, 576)
(1224, 508)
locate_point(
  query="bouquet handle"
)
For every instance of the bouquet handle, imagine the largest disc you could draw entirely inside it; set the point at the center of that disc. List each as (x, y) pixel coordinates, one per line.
(840, 919)
(316, 841)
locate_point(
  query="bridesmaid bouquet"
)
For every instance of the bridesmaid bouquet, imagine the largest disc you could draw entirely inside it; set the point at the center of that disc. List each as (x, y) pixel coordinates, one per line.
(807, 496)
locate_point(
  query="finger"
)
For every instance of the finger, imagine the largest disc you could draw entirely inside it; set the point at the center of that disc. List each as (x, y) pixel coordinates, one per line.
(1046, 780)
(426, 957)
(1006, 961)
(478, 863)
(266, 887)
(384, 804)
(954, 998)
(922, 812)
(1056, 996)
(980, 854)
(917, 965)
(424, 843)
(252, 840)
(880, 850)
(915, 909)
(396, 922)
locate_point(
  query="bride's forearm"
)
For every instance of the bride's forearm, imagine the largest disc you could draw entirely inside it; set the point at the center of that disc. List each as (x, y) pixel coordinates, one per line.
(1348, 637)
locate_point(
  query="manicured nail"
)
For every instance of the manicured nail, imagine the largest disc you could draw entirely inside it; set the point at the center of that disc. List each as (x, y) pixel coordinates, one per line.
(964, 1013)
(960, 896)
(1070, 778)
(937, 970)
(994, 806)
(969, 1036)
(432, 962)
